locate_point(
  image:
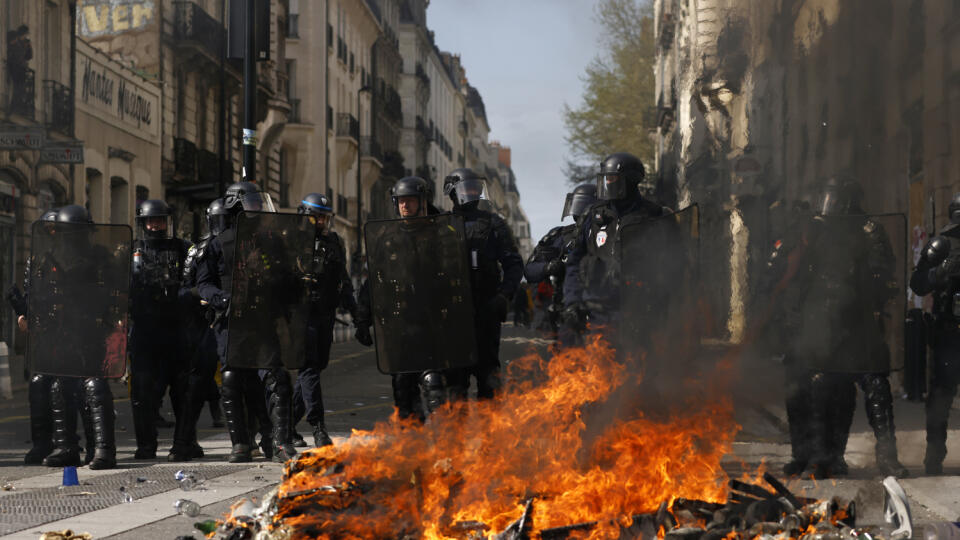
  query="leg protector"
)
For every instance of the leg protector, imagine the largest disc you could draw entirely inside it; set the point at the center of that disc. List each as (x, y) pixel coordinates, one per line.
(434, 389)
(235, 415)
(798, 405)
(280, 390)
(41, 420)
(879, 403)
(100, 400)
(63, 406)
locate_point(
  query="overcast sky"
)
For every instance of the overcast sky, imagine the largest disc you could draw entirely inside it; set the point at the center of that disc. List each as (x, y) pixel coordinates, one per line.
(526, 58)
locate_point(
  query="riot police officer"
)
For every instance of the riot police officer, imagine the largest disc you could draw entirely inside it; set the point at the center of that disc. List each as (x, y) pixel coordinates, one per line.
(155, 359)
(329, 288)
(592, 275)
(70, 394)
(496, 270)
(547, 259)
(845, 280)
(242, 388)
(198, 346)
(938, 273)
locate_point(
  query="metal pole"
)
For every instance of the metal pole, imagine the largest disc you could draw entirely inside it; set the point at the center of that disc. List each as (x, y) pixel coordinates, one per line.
(359, 184)
(250, 95)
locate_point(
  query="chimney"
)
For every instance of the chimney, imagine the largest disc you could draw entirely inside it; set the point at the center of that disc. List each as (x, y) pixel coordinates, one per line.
(504, 156)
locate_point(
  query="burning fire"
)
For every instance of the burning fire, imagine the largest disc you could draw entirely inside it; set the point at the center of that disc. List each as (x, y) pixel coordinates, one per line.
(474, 466)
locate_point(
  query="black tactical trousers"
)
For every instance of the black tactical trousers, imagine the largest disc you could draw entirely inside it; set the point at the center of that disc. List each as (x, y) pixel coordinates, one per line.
(799, 405)
(195, 381)
(406, 395)
(154, 366)
(307, 393)
(487, 370)
(41, 419)
(943, 388)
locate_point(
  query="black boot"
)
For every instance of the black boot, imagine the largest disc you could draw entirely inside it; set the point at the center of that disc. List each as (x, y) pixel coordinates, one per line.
(821, 448)
(63, 408)
(843, 406)
(100, 399)
(143, 402)
(89, 434)
(41, 420)
(320, 436)
(406, 396)
(280, 390)
(798, 418)
(256, 401)
(939, 402)
(434, 391)
(879, 401)
(235, 415)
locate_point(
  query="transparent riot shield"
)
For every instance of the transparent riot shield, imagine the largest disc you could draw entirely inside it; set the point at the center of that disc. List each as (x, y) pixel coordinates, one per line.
(269, 306)
(78, 299)
(420, 294)
(659, 273)
(851, 294)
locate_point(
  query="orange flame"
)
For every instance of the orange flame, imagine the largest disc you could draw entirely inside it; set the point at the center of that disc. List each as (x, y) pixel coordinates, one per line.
(474, 464)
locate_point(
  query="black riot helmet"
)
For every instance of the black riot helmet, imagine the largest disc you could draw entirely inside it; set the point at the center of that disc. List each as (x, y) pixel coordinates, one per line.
(464, 186)
(50, 215)
(579, 200)
(315, 203)
(619, 175)
(153, 219)
(954, 209)
(318, 206)
(841, 196)
(218, 217)
(74, 213)
(246, 196)
(410, 186)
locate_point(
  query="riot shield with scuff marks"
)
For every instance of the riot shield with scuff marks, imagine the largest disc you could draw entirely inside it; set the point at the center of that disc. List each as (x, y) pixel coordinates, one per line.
(78, 299)
(850, 294)
(422, 305)
(269, 307)
(659, 280)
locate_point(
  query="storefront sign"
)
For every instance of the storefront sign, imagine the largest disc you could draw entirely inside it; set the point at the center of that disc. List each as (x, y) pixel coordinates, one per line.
(21, 138)
(112, 94)
(62, 153)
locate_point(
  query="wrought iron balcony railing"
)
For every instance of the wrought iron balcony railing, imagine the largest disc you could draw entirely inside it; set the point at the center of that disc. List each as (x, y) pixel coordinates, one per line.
(348, 126)
(23, 92)
(185, 159)
(370, 147)
(195, 27)
(58, 107)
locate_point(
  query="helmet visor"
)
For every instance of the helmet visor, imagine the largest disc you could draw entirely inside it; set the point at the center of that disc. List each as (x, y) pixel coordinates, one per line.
(611, 186)
(470, 190)
(830, 204)
(576, 205)
(153, 227)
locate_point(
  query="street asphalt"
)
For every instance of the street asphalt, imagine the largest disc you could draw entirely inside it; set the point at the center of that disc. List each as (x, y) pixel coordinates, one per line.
(136, 499)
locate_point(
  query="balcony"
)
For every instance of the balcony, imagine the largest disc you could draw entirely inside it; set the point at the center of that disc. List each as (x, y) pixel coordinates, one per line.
(23, 92)
(370, 147)
(348, 126)
(194, 28)
(58, 107)
(422, 75)
(294, 116)
(348, 137)
(208, 167)
(184, 160)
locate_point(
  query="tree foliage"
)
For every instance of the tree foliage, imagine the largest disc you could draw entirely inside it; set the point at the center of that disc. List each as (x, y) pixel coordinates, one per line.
(618, 90)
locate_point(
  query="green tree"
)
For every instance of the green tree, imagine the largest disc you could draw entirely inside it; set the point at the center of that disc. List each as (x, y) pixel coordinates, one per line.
(618, 91)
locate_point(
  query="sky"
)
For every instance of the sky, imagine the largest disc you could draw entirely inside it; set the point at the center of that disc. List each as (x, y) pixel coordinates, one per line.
(526, 57)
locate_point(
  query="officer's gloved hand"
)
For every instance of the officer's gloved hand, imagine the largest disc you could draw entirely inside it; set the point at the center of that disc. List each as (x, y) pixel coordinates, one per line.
(945, 270)
(575, 315)
(219, 302)
(555, 267)
(498, 306)
(363, 335)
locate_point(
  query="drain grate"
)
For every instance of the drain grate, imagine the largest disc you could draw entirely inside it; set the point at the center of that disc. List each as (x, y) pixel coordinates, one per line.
(31, 508)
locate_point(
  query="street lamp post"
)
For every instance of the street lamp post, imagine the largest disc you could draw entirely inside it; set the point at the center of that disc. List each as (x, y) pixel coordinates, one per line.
(359, 251)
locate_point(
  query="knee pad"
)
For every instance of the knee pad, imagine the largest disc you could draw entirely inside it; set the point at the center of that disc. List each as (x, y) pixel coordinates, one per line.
(432, 380)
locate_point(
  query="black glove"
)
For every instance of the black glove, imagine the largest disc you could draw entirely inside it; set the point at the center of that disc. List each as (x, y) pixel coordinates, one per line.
(946, 270)
(575, 316)
(219, 302)
(498, 306)
(363, 335)
(555, 267)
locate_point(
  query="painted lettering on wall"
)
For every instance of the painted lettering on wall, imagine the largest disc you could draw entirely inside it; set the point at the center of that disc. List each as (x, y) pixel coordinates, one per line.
(111, 17)
(131, 103)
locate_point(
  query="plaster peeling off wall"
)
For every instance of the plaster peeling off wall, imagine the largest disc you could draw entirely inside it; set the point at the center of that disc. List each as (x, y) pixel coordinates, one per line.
(740, 237)
(812, 20)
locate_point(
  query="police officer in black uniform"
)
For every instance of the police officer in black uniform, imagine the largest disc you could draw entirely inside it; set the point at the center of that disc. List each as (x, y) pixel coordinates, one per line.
(329, 287)
(547, 259)
(938, 273)
(845, 279)
(198, 347)
(496, 272)
(592, 282)
(241, 389)
(71, 394)
(155, 311)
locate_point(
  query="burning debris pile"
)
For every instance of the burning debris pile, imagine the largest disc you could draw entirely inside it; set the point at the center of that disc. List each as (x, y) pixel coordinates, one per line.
(533, 464)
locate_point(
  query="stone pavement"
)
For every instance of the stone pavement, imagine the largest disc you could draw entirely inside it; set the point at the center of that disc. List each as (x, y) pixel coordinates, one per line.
(356, 396)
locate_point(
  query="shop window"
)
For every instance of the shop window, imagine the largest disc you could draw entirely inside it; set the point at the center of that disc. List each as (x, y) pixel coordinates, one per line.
(119, 195)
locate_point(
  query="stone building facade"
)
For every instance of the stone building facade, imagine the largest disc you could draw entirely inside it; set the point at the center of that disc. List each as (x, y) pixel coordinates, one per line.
(758, 103)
